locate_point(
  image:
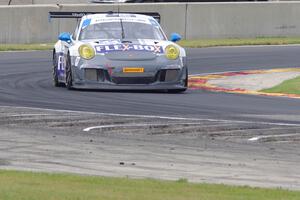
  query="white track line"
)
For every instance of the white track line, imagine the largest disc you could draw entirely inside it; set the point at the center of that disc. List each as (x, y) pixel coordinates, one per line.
(118, 115)
(154, 116)
(222, 72)
(134, 125)
(271, 136)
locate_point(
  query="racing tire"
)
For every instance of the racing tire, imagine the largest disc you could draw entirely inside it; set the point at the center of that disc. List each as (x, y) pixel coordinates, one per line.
(69, 78)
(56, 83)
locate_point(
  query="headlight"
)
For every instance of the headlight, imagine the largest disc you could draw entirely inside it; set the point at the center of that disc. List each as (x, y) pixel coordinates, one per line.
(86, 51)
(172, 52)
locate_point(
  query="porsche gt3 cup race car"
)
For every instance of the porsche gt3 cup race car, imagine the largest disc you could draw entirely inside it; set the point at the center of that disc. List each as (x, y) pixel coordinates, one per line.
(119, 51)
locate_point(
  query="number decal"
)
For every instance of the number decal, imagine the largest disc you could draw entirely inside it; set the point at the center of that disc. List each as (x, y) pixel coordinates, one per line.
(61, 64)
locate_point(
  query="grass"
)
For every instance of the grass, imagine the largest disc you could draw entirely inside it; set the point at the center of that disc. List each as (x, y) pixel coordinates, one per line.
(239, 42)
(15, 185)
(21, 47)
(200, 43)
(287, 87)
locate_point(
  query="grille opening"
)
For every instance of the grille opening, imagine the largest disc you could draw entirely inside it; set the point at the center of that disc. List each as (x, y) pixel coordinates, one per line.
(168, 75)
(106, 75)
(162, 75)
(133, 80)
(91, 74)
(101, 75)
(94, 75)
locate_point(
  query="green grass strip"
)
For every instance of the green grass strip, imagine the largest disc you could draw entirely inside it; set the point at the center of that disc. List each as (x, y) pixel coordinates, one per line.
(25, 47)
(291, 86)
(15, 185)
(239, 42)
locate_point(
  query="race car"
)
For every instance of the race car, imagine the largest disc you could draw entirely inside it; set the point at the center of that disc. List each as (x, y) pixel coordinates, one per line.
(122, 51)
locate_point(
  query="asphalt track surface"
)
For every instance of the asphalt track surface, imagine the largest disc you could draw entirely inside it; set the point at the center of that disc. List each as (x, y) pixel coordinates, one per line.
(198, 135)
(25, 79)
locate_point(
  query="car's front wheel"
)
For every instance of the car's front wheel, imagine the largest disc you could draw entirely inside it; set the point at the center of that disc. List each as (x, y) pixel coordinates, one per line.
(69, 78)
(56, 83)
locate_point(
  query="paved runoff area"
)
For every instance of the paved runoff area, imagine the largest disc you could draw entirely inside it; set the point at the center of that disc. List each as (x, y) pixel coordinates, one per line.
(200, 150)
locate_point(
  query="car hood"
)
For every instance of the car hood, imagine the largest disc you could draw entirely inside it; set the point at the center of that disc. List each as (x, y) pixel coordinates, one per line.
(129, 49)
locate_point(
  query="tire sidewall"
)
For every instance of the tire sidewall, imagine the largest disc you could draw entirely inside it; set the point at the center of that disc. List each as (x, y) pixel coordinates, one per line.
(69, 78)
(54, 71)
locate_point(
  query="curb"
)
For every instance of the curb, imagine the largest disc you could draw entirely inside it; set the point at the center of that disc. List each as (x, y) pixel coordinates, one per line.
(200, 82)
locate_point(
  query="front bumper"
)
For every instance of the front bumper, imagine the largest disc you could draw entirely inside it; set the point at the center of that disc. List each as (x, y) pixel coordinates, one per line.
(157, 75)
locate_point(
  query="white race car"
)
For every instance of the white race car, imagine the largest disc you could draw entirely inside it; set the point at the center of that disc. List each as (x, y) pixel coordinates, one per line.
(119, 51)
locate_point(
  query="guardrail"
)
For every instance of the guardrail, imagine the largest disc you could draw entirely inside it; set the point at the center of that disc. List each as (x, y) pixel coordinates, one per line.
(30, 23)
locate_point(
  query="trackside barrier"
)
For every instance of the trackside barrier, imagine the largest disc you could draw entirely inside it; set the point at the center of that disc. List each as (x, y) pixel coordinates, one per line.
(30, 23)
(235, 20)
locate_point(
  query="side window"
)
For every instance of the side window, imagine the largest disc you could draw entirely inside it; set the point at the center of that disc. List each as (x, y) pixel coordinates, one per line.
(76, 31)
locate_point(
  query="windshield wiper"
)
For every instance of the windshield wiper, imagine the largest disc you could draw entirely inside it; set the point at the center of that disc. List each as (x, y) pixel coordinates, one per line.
(123, 33)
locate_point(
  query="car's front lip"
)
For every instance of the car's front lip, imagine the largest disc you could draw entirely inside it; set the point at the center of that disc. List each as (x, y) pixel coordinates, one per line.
(133, 81)
(111, 86)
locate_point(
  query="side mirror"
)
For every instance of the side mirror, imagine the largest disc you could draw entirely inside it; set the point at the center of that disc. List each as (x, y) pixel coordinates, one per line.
(175, 37)
(66, 37)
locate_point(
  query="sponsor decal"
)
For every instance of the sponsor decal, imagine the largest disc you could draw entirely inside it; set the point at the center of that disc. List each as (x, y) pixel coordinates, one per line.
(117, 19)
(78, 14)
(133, 70)
(61, 63)
(128, 47)
(109, 41)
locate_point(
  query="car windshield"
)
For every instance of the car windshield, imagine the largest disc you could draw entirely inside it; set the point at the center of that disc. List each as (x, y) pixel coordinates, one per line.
(113, 30)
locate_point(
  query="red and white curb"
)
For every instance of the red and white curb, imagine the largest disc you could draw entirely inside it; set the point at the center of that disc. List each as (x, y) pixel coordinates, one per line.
(201, 82)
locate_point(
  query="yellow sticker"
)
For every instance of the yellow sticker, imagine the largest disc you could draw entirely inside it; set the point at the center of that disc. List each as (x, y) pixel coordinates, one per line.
(133, 70)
